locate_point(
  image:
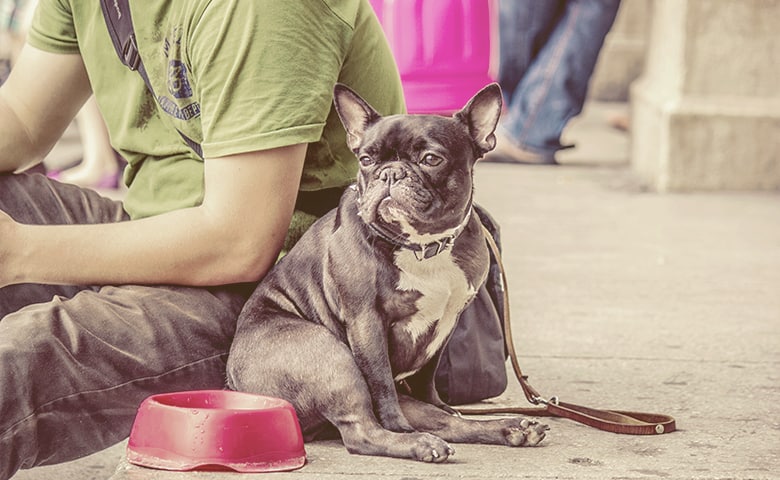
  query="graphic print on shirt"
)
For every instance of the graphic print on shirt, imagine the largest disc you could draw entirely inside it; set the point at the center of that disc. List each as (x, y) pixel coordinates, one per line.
(178, 83)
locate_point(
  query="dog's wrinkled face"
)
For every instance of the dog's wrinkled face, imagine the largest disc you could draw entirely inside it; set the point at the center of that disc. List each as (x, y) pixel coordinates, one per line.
(416, 170)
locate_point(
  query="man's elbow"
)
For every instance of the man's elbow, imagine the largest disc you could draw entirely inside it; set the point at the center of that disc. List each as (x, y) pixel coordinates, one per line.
(250, 272)
(250, 263)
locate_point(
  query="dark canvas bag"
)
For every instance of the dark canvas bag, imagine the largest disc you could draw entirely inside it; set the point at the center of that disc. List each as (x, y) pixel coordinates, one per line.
(473, 364)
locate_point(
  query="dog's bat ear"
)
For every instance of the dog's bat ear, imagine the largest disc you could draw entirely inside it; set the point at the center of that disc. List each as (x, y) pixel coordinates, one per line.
(481, 115)
(355, 113)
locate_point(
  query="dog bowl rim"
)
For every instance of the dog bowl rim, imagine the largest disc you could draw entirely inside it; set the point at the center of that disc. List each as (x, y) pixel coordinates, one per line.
(171, 458)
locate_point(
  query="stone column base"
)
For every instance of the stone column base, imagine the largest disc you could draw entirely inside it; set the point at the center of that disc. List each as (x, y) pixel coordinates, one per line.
(705, 143)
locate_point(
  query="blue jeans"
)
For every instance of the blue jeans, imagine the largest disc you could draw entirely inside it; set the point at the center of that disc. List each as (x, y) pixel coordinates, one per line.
(548, 50)
(76, 361)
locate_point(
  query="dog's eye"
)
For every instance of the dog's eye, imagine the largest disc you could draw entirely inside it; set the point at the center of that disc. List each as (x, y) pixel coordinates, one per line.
(431, 160)
(365, 160)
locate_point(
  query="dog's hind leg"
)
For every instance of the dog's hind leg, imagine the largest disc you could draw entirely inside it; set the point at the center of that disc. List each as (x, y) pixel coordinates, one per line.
(305, 364)
(511, 431)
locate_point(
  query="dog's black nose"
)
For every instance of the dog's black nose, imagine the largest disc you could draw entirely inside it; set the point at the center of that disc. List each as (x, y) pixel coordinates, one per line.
(392, 174)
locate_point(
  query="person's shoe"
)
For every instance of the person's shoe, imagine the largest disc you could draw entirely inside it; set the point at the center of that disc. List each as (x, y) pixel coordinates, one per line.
(508, 152)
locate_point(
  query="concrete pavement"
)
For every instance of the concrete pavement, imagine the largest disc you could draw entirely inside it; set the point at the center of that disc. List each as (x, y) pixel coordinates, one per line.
(620, 299)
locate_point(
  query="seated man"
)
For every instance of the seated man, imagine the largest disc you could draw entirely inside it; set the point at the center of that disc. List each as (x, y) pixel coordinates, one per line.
(104, 303)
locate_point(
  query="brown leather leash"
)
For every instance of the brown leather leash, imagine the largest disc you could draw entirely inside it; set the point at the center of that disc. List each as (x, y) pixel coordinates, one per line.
(615, 421)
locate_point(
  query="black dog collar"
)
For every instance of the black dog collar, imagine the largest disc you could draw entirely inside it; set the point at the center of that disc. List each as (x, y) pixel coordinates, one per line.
(426, 250)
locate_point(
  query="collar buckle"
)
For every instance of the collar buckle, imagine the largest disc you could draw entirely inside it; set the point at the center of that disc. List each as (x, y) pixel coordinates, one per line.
(432, 249)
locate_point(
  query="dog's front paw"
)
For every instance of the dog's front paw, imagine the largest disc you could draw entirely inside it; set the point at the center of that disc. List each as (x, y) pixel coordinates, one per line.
(524, 433)
(432, 449)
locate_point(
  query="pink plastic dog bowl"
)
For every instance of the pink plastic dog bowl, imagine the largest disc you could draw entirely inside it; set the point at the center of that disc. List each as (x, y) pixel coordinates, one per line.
(216, 429)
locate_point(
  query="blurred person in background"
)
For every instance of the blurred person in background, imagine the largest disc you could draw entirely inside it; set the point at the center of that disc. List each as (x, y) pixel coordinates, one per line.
(100, 165)
(547, 52)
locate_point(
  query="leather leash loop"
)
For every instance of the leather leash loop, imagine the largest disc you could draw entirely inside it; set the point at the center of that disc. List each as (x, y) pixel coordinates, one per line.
(615, 421)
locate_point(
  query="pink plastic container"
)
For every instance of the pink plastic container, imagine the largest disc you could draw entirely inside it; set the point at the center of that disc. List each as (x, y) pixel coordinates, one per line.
(216, 430)
(445, 50)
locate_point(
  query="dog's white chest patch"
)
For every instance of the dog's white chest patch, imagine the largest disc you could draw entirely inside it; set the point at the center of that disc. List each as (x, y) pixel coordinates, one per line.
(444, 292)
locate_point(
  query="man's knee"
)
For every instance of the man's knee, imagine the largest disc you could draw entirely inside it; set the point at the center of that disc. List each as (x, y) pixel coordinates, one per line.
(37, 200)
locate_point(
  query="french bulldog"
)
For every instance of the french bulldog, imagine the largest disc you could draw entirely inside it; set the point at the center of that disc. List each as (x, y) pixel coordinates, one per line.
(370, 294)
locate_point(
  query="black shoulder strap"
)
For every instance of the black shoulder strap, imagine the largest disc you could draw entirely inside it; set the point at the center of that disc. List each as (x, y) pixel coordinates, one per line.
(120, 28)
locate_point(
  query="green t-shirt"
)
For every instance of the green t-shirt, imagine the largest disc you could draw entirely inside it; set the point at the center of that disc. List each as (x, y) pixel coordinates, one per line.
(235, 76)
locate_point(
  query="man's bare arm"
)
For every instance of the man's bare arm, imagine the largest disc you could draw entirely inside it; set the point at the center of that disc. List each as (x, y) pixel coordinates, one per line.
(234, 236)
(37, 103)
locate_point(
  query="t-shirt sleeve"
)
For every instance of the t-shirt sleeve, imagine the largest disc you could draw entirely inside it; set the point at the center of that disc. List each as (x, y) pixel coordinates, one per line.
(264, 72)
(52, 27)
